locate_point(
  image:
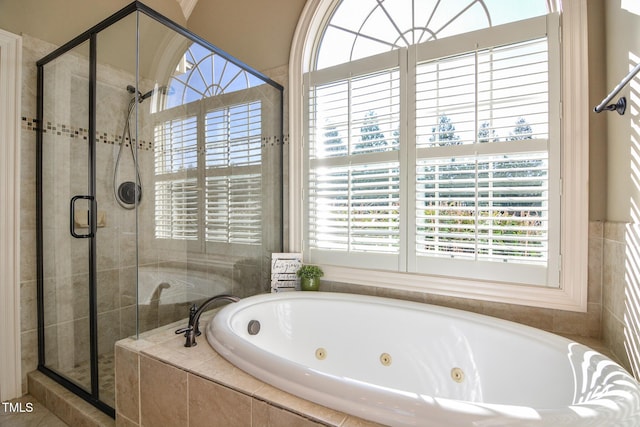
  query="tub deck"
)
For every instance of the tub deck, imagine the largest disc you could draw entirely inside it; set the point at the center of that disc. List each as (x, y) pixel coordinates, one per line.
(246, 397)
(164, 402)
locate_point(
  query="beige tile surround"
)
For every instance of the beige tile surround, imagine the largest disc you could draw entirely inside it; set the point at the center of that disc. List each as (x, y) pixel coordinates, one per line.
(236, 398)
(621, 285)
(161, 382)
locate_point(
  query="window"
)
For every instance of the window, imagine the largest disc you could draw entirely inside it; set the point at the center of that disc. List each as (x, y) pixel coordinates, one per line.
(477, 163)
(233, 183)
(176, 196)
(354, 175)
(208, 158)
(434, 149)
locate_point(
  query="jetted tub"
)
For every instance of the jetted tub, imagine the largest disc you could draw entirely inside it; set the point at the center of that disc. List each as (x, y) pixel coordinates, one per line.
(405, 363)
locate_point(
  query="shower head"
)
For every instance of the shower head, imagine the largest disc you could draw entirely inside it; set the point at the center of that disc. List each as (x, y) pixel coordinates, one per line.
(164, 90)
(132, 90)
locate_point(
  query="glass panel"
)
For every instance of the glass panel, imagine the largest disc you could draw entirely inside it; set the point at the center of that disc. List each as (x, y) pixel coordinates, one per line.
(210, 218)
(65, 150)
(169, 217)
(117, 189)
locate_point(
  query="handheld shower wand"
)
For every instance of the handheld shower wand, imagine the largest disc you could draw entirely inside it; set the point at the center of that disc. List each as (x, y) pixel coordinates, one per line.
(128, 194)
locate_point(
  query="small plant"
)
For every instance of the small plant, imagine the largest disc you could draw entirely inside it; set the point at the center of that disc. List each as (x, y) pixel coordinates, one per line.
(309, 272)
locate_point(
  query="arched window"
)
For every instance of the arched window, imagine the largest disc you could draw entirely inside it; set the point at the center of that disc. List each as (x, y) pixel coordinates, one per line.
(358, 29)
(201, 74)
(433, 141)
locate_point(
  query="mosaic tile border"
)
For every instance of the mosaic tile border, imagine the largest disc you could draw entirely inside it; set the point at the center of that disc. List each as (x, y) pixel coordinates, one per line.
(30, 124)
(274, 140)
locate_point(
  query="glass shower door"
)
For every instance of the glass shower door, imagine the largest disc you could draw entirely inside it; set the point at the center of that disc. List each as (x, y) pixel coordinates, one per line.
(88, 188)
(66, 202)
(89, 245)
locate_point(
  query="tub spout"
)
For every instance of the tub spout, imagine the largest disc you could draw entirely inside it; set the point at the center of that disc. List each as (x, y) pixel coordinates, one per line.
(192, 330)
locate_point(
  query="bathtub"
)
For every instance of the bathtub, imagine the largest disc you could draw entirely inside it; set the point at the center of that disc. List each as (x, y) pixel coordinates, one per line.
(409, 364)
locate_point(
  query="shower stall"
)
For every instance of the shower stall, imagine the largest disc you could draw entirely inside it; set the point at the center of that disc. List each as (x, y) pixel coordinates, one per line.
(159, 184)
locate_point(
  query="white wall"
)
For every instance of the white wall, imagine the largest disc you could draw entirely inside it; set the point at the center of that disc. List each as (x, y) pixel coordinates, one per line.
(10, 70)
(58, 21)
(623, 137)
(257, 32)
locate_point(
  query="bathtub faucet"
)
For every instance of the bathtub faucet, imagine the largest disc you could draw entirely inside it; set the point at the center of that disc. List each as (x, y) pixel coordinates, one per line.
(192, 330)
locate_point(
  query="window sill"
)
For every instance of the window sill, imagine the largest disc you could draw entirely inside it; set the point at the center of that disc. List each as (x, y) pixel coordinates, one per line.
(571, 298)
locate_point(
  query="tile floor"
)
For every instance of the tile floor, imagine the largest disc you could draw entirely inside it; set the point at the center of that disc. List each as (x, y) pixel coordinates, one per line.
(26, 411)
(81, 374)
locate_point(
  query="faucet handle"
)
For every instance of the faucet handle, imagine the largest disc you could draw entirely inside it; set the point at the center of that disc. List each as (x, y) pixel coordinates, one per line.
(184, 331)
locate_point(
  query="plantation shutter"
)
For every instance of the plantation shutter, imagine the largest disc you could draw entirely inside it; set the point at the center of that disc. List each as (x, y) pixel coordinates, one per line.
(354, 170)
(233, 182)
(176, 186)
(211, 193)
(483, 207)
(482, 161)
(442, 166)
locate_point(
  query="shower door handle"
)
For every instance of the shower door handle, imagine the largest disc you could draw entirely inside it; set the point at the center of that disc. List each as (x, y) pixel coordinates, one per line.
(72, 212)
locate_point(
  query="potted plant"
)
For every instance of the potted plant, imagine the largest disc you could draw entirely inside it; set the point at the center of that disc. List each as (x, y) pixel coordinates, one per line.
(309, 277)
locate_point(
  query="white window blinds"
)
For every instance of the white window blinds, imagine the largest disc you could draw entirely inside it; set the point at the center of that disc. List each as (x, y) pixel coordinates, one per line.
(461, 187)
(483, 207)
(355, 208)
(490, 205)
(208, 178)
(354, 176)
(233, 178)
(177, 209)
(176, 186)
